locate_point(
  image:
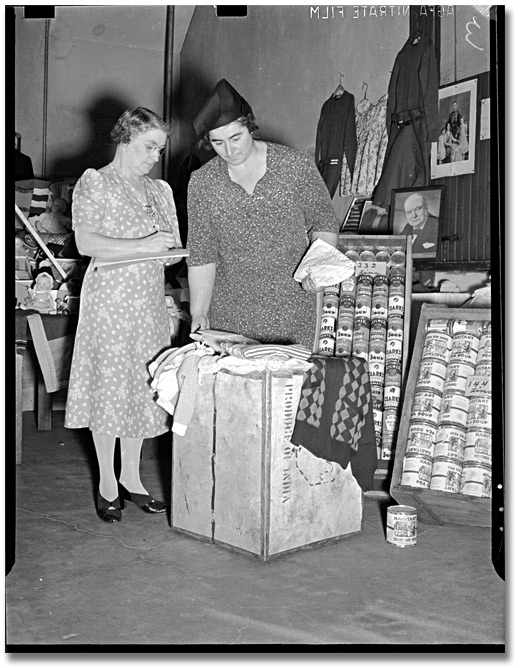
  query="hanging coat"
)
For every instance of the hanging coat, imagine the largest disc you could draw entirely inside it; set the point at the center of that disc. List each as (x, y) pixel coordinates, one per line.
(336, 137)
(412, 120)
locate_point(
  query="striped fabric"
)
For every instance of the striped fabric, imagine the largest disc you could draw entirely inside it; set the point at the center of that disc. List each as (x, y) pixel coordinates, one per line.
(40, 197)
(258, 351)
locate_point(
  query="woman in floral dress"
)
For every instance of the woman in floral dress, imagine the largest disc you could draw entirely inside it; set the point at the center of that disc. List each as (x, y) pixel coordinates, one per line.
(123, 322)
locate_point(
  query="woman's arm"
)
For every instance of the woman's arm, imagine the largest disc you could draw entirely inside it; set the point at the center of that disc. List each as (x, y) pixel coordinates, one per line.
(92, 243)
(201, 280)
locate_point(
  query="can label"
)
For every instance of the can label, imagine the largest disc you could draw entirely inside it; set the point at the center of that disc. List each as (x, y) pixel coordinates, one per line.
(348, 288)
(483, 369)
(464, 348)
(395, 305)
(449, 442)
(395, 328)
(377, 392)
(439, 325)
(378, 420)
(376, 371)
(438, 346)
(454, 409)
(446, 475)
(401, 526)
(344, 347)
(326, 345)
(394, 350)
(478, 446)
(327, 325)
(421, 439)
(364, 285)
(426, 406)
(469, 326)
(476, 480)
(457, 376)
(484, 349)
(330, 302)
(379, 307)
(378, 329)
(417, 471)
(393, 375)
(479, 413)
(363, 306)
(431, 375)
(392, 396)
(390, 422)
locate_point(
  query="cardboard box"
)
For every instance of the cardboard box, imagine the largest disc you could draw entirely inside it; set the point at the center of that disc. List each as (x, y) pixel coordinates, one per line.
(435, 507)
(239, 482)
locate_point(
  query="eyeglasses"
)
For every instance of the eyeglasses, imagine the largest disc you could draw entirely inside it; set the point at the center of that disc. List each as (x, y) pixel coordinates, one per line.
(152, 147)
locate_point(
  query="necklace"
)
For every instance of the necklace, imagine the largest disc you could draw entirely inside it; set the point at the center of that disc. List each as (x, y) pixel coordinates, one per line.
(150, 209)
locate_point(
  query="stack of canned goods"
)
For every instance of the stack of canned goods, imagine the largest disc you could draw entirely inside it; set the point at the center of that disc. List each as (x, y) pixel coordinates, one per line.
(329, 316)
(476, 467)
(346, 313)
(449, 434)
(361, 339)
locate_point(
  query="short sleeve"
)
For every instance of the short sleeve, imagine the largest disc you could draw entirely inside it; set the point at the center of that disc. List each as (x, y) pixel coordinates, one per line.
(88, 200)
(315, 199)
(202, 245)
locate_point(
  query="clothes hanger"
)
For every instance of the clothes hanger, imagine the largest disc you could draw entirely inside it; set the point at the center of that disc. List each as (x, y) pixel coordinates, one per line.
(339, 90)
(365, 87)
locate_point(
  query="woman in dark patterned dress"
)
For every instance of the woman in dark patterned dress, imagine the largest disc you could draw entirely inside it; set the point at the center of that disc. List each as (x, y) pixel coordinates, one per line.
(123, 321)
(253, 210)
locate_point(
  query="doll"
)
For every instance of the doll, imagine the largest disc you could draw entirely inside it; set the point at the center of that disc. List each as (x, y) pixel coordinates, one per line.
(40, 297)
(54, 221)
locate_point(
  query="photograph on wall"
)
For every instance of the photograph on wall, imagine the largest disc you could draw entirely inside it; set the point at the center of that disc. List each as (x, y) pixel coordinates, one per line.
(418, 212)
(454, 151)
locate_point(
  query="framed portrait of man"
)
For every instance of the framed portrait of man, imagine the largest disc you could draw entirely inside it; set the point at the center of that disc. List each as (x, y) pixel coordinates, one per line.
(418, 212)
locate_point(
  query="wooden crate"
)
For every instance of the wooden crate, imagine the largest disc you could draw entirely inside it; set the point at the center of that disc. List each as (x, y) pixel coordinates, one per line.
(239, 482)
(376, 243)
(435, 507)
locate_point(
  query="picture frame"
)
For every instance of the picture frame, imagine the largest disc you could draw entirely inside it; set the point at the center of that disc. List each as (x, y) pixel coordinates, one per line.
(420, 208)
(453, 152)
(374, 220)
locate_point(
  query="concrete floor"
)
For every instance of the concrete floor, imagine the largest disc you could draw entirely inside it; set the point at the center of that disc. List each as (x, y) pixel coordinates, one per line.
(78, 581)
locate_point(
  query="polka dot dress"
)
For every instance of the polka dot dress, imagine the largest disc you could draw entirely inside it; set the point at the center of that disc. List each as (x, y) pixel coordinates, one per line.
(123, 322)
(257, 240)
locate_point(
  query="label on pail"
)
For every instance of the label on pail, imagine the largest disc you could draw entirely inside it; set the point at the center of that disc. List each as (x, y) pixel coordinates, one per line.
(401, 526)
(417, 471)
(438, 346)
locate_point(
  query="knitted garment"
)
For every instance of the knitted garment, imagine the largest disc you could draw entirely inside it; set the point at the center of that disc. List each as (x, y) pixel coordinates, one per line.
(335, 419)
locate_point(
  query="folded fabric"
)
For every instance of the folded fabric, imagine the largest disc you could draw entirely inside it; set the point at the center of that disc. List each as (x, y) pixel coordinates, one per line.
(215, 338)
(335, 420)
(258, 351)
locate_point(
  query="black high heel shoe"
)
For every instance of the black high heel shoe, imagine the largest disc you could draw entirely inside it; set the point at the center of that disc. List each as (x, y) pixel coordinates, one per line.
(108, 511)
(143, 501)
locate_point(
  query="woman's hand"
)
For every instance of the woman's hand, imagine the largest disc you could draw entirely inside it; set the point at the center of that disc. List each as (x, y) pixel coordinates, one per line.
(199, 321)
(309, 285)
(158, 242)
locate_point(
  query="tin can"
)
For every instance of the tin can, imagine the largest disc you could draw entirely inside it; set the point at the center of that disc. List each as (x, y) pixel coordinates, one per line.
(484, 349)
(381, 285)
(401, 526)
(478, 446)
(326, 345)
(390, 421)
(468, 326)
(431, 375)
(454, 409)
(398, 258)
(364, 285)
(362, 329)
(378, 421)
(437, 345)
(377, 392)
(383, 256)
(486, 326)
(446, 475)
(421, 439)
(426, 406)
(392, 397)
(376, 352)
(393, 375)
(479, 413)
(327, 326)
(379, 307)
(330, 301)
(464, 348)
(394, 351)
(439, 325)
(363, 306)
(395, 329)
(348, 288)
(483, 369)
(476, 480)
(367, 256)
(378, 327)
(376, 371)
(457, 376)
(449, 442)
(417, 471)
(352, 255)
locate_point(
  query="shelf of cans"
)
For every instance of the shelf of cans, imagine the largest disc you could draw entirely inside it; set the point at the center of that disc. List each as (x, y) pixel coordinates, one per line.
(364, 316)
(448, 447)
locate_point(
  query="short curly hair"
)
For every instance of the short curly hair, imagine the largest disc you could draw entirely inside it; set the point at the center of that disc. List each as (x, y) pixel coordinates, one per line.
(248, 121)
(134, 122)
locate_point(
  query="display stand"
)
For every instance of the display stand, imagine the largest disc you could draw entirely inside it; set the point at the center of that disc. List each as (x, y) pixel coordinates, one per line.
(433, 506)
(386, 409)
